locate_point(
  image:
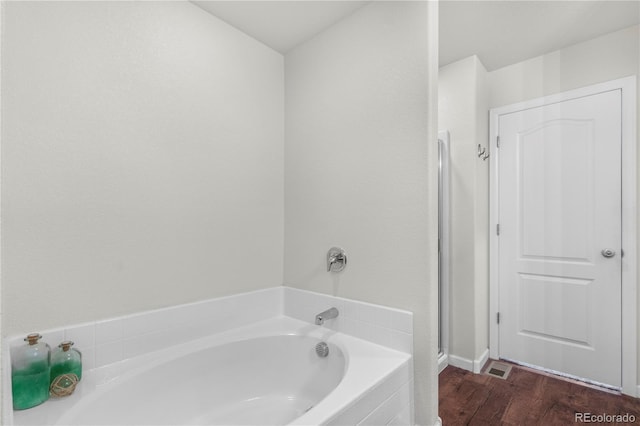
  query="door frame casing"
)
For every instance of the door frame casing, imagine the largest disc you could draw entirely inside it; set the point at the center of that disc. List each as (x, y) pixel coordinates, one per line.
(629, 218)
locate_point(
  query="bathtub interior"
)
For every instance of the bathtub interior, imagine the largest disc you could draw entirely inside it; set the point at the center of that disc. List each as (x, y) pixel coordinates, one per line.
(267, 380)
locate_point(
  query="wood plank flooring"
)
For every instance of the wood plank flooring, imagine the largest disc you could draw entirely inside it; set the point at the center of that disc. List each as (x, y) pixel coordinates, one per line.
(524, 398)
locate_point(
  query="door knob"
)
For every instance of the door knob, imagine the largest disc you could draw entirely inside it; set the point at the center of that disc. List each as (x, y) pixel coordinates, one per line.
(608, 253)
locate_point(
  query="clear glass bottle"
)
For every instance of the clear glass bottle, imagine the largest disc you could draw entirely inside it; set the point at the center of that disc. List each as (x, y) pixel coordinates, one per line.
(30, 371)
(66, 369)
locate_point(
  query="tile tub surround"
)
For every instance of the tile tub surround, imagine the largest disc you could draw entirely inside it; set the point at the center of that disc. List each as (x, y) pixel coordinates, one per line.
(108, 341)
(113, 340)
(385, 326)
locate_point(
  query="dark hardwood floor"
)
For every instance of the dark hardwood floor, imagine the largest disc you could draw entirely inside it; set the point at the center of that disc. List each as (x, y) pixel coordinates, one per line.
(525, 398)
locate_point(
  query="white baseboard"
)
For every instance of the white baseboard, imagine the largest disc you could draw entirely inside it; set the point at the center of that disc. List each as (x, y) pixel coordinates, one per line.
(468, 364)
(443, 361)
(464, 363)
(480, 362)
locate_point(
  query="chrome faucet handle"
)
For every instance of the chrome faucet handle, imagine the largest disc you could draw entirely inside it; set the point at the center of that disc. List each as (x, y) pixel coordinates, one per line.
(333, 260)
(336, 259)
(330, 261)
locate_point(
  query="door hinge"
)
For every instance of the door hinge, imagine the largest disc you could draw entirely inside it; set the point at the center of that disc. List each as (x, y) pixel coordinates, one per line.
(498, 317)
(498, 229)
(498, 141)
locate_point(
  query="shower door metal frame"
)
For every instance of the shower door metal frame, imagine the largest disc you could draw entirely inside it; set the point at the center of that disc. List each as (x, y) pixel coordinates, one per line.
(443, 248)
(629, 208)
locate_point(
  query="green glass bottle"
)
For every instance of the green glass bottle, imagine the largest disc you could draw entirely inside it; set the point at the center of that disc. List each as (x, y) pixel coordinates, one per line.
(30, 373)
(66, 369)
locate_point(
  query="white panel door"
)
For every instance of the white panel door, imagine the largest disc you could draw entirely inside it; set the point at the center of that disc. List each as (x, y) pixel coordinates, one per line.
(560, 210)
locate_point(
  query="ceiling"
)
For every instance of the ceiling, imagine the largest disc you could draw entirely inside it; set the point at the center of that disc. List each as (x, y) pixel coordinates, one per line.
(281, 25)
(499, 32)
(506, 32)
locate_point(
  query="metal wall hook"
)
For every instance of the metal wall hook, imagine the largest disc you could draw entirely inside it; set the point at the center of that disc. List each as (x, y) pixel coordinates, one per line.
(482, 152)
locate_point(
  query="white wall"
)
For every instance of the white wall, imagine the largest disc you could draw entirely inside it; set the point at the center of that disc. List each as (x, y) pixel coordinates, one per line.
(361, 169)
(463, 111)
(604, 58)
(142, 160)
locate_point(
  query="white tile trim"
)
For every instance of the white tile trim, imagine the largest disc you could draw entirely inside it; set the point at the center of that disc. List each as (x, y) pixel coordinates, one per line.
(142, 332)
(112, 340)
(378, 324)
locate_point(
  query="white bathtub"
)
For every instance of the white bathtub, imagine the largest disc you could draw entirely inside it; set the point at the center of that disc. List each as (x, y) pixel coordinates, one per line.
(263, 374)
